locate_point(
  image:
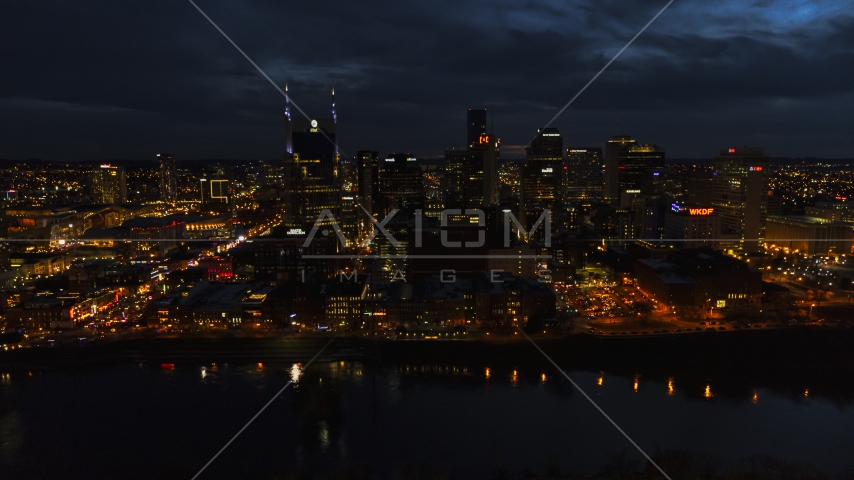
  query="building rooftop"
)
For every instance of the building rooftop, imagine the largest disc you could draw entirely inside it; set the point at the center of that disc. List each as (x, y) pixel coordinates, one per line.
(208, 296)
(150, 222)
(799, 219)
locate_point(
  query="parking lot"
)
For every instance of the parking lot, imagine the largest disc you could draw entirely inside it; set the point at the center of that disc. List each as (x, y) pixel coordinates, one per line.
(605, 303)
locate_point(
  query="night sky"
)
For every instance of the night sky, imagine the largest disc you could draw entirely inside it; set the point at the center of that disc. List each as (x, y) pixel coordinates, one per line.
(104, 79)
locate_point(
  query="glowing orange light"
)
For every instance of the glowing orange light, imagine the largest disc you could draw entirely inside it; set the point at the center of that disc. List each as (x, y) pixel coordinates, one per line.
(700, 212)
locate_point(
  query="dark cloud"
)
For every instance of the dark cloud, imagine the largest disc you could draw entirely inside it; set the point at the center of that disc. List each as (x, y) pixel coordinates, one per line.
(115, 80)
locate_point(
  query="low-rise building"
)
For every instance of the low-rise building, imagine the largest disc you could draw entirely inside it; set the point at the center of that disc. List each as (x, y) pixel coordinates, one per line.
(700, 278)
(216, 305)
(808, 235)
(41, 313)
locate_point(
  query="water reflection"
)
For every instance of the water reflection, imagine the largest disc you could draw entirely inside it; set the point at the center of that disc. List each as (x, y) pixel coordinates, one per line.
(373, 413)
(11, 433)
(323, 435)
(296, 373)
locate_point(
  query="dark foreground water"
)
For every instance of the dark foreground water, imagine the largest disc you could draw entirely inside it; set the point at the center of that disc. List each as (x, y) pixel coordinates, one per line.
(393, 421)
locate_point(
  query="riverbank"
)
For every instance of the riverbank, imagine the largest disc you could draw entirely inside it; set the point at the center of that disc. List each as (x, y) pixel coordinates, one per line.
(814, 358)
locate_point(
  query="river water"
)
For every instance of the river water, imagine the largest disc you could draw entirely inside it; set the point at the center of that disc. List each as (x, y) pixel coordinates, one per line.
(392, 421)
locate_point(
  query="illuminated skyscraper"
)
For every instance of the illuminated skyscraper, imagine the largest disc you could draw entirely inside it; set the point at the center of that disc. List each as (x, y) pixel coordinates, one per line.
(541, 175)
(636, 160)
(699, 188)
(739, 193)
(476, 125)
(482, 179)
(626, 162)
(349, 217)
(109, 185)
(168, 177)
(471, 175)
(400, 183)
(611, 171)
(311, 168)
(454, 180)
(583, 174)
(368, 165)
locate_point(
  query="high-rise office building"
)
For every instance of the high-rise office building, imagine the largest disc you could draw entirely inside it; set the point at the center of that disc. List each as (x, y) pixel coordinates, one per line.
(738, 194)
(400, 183)
(541, 175)
(663, 181)
(271, 175)
(368, 167)
(649, 212)
(109, 185)
(583, 174)
(611, 170)
(626, 163)
(699, 188)
(636, 160)
(311, 168)
(476, 125)
(168, 177)
(471, 175)
(482, 185)
(454, 180)
(349, 217)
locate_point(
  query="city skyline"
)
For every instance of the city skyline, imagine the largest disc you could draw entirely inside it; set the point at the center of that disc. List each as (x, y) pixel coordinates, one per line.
(391, 222)
(697, 79)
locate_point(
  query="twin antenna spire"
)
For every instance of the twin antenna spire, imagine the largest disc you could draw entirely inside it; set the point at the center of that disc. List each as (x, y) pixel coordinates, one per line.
(288, 105)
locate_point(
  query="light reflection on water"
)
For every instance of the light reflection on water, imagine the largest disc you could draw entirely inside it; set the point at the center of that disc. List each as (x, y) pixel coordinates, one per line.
(296, 372)
(375, 413)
